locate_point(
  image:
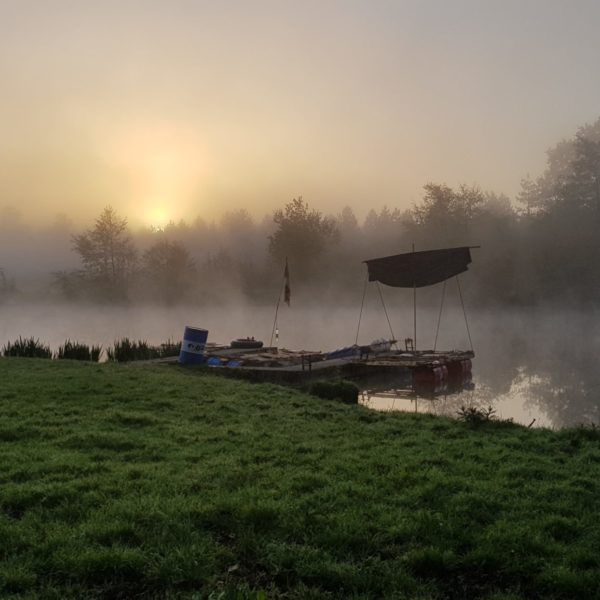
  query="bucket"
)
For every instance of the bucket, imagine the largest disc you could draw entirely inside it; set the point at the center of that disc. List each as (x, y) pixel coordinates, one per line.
(192, 346)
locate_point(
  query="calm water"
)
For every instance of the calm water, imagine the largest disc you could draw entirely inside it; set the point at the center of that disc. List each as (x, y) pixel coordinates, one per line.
(534, 364)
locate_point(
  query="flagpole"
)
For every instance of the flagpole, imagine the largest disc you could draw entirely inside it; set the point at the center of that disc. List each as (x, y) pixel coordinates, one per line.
(275, 320)
(284, 288)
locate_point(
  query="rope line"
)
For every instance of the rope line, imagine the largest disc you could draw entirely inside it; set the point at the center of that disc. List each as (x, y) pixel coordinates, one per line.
(361, 308)
(464, 312)
(385, 311)
(437, 331)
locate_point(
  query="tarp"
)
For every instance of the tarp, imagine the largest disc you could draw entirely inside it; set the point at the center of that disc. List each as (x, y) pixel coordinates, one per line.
(418, 269)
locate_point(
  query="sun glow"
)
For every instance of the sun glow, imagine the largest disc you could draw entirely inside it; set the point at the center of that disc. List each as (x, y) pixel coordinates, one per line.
(157, 217)
(164, 167)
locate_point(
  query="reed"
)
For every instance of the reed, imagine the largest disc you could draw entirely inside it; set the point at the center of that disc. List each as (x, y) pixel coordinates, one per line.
(78, 351)
(126, 350)
(170, 348)
(27, 347)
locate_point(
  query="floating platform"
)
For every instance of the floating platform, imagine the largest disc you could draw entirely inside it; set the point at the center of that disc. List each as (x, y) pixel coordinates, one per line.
(299, 367)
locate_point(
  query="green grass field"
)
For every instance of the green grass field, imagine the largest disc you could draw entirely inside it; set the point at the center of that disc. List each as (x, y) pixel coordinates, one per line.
(135, 481)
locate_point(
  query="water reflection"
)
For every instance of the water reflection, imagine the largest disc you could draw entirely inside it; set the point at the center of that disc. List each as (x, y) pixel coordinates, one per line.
(543, 393)
(530, 363)
(437, 397)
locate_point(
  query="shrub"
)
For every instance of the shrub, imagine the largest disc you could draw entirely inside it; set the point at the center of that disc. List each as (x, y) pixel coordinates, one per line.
(476, 416)
(346, 391)
(76, 351)
(27, 347)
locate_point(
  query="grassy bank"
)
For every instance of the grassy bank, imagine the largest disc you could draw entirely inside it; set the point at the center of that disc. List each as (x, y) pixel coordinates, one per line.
(130, 481)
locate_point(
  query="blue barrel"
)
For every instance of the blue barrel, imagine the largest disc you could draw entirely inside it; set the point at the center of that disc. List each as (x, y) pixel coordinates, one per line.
(192, 346)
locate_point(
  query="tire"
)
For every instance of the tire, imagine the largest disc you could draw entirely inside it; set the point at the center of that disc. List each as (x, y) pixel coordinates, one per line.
(246, 344)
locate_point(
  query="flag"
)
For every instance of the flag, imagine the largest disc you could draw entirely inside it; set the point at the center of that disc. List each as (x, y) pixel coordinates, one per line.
(286, 279)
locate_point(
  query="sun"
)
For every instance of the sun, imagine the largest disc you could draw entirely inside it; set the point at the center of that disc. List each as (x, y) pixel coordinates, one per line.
(164, 166)
(158, 217)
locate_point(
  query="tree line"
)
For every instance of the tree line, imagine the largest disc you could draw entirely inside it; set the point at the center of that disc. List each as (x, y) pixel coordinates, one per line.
(542, 247)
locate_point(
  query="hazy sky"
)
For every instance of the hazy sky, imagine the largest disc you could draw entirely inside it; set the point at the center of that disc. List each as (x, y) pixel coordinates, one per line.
(181, 108)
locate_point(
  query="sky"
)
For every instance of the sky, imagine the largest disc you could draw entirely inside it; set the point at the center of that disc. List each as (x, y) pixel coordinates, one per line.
(178, 109)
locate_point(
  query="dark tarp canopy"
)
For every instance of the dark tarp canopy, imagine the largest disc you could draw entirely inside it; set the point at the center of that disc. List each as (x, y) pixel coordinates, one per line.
(418, 269)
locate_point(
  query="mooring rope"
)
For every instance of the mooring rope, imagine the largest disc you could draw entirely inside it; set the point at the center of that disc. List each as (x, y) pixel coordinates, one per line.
(464, 312)
(361, 307)
(437, 331)
(385, 311)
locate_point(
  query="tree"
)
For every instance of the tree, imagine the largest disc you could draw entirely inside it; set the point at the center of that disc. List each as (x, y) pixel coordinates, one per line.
(445, 215)
(383, 231)
(570, 185)
(584, 182)
(238, 235)
(302, 235)
(107, 254)
(7, 286)
(563, 213)
(170, 270)
(442, 205)
(347, 223)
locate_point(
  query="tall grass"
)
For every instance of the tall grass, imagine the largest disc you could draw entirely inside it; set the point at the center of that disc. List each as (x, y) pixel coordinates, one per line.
(123, 350)
(170, 348)
(28, 348)
(126, 350)
(78, 351)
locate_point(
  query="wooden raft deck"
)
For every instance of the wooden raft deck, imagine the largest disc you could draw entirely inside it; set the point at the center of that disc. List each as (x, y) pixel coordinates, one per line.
(265, 365)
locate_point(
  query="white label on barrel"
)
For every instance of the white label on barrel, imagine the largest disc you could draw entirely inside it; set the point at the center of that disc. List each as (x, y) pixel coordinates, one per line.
(193, 347)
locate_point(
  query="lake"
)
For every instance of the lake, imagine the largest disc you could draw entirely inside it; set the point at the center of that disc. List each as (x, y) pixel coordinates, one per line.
(537, 365)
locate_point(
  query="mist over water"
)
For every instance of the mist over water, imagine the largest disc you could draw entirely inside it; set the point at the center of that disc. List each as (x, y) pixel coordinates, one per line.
(530, 364)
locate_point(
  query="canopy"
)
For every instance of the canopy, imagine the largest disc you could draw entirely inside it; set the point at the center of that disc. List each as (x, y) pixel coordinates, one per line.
(418, 269)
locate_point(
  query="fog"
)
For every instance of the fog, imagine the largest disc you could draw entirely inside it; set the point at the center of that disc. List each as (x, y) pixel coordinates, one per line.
(530, 364)
(532, 289)
(167, 111)
(315, 327)
(541, 247)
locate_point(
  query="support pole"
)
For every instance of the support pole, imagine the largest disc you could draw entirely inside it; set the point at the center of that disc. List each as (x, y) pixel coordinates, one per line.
(464, 312)
(414, 303)
(361, 308)
(437, 331)
(385, 311)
